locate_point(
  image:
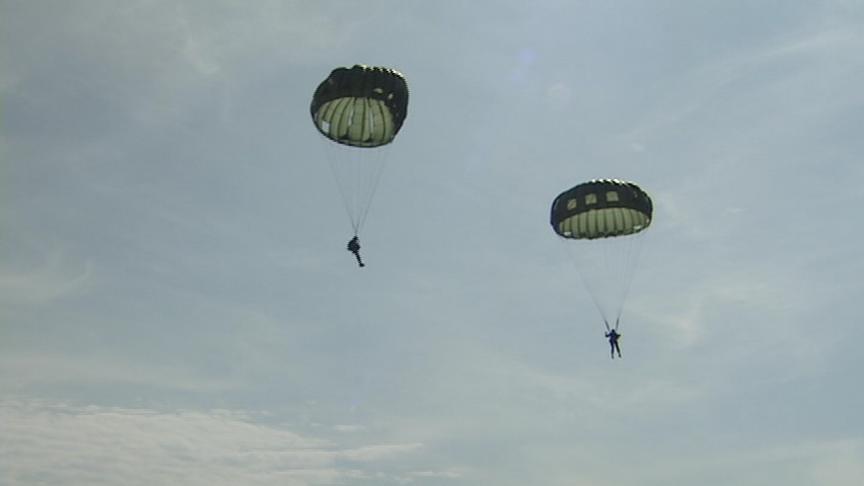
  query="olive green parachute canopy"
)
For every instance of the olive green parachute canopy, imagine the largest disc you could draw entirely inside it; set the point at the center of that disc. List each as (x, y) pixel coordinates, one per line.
(363, 106)
(601, 208)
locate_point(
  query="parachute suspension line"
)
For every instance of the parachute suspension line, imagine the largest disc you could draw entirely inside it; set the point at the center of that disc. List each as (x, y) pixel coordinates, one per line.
(379, 162)
(606, 268)
(586, 281)
(609, 262)
(376, 179)
(607, 218)
(331, 162)
(623, 276)
(634, 249)
(358, 172)
(358, 111)
(594, 298)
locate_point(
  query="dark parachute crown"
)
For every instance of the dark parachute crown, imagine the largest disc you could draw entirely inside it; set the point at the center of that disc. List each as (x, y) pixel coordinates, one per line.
(361, 106)
(601, 208)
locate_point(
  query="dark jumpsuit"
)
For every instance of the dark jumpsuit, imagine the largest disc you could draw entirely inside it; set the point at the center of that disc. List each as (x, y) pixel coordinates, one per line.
(354, 247)
(613, 342)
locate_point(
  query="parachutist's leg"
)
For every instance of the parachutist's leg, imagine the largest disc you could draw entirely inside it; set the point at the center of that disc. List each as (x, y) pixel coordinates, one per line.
(359, 261)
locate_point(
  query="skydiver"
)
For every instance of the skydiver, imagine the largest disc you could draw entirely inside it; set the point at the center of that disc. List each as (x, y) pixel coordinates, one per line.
(354, 247)
(613, 337)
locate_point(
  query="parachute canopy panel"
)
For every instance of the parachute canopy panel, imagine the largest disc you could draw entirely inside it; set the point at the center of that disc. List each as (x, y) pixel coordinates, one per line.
(363, 106)
(601, 208)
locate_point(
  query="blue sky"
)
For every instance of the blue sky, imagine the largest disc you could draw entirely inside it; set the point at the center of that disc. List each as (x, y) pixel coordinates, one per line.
(177, 307)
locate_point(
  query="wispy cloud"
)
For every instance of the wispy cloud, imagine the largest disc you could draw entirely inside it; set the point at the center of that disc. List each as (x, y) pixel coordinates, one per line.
(836, 462)
(56, 443)
(35, 369)
(803, 65)
(53, 278)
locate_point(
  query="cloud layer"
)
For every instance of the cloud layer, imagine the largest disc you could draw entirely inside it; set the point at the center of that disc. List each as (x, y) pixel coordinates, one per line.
(54, 443)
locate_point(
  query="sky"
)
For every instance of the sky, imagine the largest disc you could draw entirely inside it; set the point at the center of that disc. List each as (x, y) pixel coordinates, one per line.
(177, 305)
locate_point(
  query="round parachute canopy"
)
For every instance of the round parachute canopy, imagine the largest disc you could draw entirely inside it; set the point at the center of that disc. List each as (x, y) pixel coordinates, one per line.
(363, 106)
(601, 208)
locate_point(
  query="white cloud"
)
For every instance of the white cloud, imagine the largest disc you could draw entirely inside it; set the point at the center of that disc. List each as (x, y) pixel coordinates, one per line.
(55, 443)
(448, 474)
(837, 462)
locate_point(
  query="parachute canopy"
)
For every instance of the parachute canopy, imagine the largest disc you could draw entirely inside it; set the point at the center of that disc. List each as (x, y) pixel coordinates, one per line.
(601, 208)
(363, 106)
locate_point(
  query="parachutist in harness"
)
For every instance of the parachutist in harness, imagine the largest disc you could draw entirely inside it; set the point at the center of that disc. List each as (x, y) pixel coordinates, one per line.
(588, 215)
(354, 247)
(613, 337)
